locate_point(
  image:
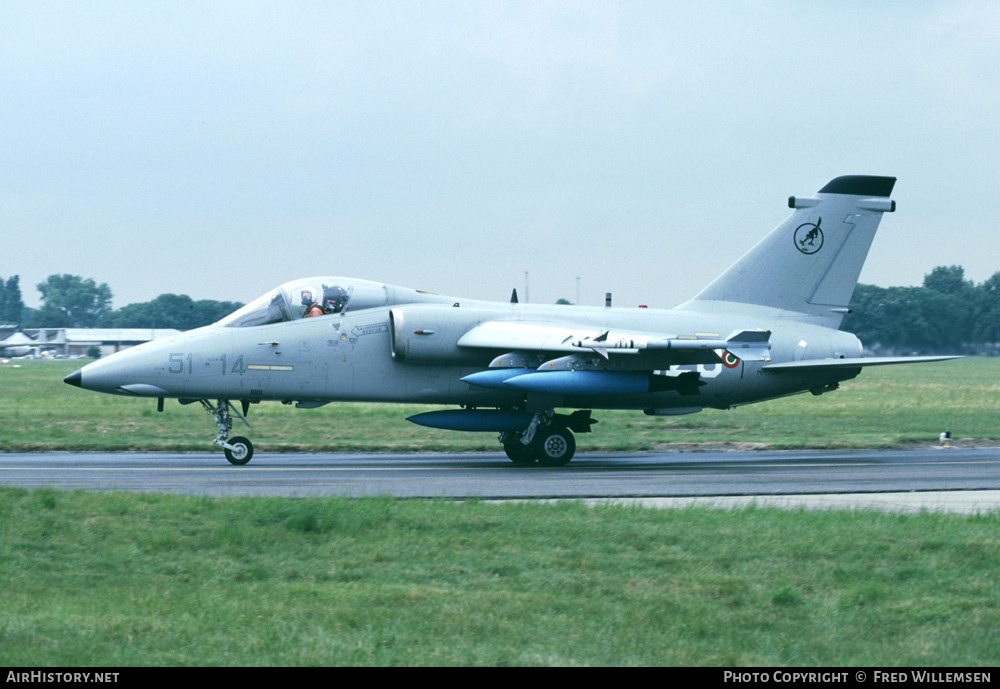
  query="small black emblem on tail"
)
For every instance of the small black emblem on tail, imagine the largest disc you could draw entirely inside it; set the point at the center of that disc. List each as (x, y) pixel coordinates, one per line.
(808, 237)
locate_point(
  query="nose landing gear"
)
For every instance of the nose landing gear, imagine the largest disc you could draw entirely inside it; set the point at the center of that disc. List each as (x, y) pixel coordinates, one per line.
(239, 450)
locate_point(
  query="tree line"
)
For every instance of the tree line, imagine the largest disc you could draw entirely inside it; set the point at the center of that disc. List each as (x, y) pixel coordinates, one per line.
(946, 315)
(70, 301)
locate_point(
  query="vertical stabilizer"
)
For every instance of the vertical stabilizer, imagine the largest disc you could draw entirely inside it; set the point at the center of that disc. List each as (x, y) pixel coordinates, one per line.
(808, 265)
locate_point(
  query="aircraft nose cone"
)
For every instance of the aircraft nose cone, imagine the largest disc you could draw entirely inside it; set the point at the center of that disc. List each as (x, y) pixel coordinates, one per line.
(74, 378)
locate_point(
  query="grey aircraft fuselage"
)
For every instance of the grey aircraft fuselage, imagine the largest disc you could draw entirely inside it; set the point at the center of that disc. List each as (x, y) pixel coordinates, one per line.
(766, 328)
(350, 357)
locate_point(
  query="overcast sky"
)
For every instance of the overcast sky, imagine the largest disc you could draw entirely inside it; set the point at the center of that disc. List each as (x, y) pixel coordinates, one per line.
(218, 149)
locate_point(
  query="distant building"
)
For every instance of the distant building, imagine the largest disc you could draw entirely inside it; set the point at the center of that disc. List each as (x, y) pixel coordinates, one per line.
(68, 342)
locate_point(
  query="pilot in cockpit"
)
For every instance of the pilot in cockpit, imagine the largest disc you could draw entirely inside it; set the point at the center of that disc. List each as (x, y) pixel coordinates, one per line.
(312, 308)
(334, 299)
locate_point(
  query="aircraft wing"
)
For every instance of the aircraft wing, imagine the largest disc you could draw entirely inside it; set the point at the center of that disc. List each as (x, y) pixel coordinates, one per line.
(813, 364)
(535, 337)
(547, 338)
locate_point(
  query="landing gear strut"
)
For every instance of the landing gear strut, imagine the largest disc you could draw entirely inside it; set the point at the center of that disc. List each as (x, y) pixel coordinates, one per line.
(239, 450)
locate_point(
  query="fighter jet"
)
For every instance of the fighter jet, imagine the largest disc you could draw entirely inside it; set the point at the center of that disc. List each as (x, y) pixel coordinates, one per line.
(766, 328)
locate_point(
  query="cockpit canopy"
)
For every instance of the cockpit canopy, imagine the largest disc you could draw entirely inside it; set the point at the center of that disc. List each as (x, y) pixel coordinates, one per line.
(323, 296)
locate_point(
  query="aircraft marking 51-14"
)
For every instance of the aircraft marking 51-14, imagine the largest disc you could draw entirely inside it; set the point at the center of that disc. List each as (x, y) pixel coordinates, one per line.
(766, 328)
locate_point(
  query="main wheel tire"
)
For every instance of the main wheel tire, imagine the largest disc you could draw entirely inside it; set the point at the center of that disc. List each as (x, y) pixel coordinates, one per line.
(519, 453)
(242, 452)
(554, 446)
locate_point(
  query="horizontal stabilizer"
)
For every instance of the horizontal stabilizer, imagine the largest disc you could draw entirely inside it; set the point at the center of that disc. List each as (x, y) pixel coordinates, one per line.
(854, 363)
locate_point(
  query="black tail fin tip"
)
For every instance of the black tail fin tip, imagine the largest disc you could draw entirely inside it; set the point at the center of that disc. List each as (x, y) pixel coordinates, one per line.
(860, 185)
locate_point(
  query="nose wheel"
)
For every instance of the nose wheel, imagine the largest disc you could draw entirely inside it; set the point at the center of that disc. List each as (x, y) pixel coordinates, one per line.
(239, 450)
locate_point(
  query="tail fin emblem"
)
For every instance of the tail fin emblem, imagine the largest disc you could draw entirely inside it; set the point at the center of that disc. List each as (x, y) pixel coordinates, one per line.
(808, 237)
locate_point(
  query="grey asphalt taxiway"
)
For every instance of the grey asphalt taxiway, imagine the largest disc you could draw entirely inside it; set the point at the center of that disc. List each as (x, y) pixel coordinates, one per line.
(699, 475)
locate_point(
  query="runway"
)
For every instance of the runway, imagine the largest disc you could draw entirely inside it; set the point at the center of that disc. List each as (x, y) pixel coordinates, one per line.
(493, 476)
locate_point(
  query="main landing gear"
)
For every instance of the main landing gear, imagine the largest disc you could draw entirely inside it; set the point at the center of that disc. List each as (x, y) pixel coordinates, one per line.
(548, 439)
(239, 450)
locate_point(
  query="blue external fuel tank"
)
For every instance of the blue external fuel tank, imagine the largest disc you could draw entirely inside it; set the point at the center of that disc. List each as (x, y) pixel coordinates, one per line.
(584, 383)
(498, 420)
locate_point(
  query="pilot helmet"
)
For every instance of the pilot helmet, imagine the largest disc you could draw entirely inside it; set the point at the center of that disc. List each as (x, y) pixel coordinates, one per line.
(307, 296)
(334, 298)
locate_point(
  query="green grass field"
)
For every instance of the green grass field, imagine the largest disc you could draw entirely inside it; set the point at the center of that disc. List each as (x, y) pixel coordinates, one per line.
(884, 406)
(94, 579)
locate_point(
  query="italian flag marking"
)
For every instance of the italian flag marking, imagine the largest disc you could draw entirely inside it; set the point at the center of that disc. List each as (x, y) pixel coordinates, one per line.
(730, 360)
